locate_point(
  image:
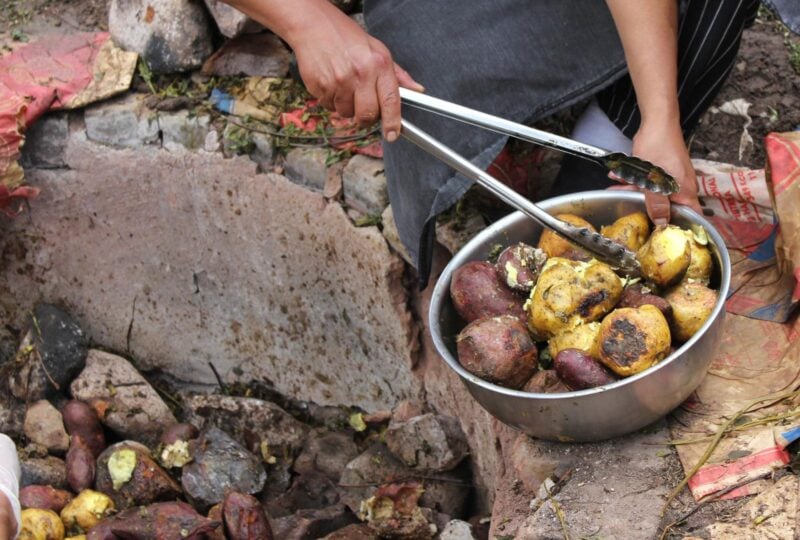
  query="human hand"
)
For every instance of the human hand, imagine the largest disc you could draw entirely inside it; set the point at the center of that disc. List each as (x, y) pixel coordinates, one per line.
(351, 72)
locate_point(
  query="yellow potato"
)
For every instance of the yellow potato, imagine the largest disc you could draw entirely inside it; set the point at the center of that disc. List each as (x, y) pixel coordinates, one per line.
(701, 264)
(633, 339)
(665, 256)
(555, 246)
(37, 524)
(631, 231)
(692, 304)
(86, 510)
(585, 337)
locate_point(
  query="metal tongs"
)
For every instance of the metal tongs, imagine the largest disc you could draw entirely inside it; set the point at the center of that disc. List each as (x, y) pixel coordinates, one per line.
(629, 169)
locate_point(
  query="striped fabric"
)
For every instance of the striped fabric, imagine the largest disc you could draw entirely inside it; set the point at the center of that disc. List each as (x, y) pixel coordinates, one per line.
(708, 41)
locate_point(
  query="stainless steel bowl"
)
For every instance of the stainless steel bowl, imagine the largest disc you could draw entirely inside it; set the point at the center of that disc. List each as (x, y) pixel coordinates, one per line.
(598, 413)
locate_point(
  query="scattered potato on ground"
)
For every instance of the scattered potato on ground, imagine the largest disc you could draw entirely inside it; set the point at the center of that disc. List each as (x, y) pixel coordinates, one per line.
(633, 339)
(518, 266)
(556, 246)
(665, 256)
(692, 304)
(86, 510)
(631, 231)
(476, 292)
(44, 498)
(38, 524)
(580, 371)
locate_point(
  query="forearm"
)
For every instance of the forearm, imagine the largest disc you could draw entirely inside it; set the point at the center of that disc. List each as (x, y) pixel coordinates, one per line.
(648, 30)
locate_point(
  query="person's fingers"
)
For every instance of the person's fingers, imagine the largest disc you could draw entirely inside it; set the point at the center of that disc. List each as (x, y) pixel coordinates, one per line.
(657, 207)
(366, 105)
(623, 187)
(343, 102)
(389, 99)
(688, 200)
(405, 80)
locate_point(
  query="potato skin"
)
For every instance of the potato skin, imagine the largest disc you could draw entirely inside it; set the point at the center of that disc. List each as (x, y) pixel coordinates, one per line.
(631, 231)
(556, 246)
(545, 381)
(665, 256)
(580, 371)
(86, 510)
(245, 518)
(633, 339)
(81, 421)
(38, 524)
(178, 432)
(499, 350)
(585, 337)
(44, 498)
(477, 292)
(692, 304)
(81, 465)
(569, 293)
(701, 262)
(635, 296)
(518, 266)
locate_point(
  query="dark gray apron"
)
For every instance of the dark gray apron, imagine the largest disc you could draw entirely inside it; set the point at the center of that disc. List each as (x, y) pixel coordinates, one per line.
(521, 60)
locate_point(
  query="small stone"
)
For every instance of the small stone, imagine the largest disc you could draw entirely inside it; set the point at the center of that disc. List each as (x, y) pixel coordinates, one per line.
(256, 55)
(122, 123)
(48, 471)
(52, 352)
(212, 143)
(136, 480)
(309, 491)
(406, 410)
(230, 21)
(392, 235)
(312, 523)
(364, 183)
(306, 166)
(454, 234)
(328, 453)
(45, 426)
(12, 417)
(429, 442)
(457, 530)
(221, 465)
(357, 531)
(264, 150)
(183, 130)
(250, 421)
(46, 142)
(123, 399)
(170, 35)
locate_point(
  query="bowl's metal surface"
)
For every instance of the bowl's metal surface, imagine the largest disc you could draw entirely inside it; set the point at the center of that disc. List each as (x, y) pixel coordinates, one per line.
(597, 413)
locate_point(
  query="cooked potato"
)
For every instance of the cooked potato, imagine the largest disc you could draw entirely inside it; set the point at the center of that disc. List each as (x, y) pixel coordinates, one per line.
(570, 293)
(701, 263)
(638, 295)
(498, 350)
(44, 498)
(86, 510)
(585, 337)
(631, 231)
(545, 381)
(81, 465)
(556, 246)
(477, 292)
(38, 524)
(518, 266)
(580, 371)
(633, 339)
(665, 256)
(81, 421)
(692, 304)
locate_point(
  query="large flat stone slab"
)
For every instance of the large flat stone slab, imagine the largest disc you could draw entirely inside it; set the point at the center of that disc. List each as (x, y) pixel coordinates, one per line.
(183, 259)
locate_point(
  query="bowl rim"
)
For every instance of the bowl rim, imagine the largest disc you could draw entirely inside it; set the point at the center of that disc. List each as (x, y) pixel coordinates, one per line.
(441, 293)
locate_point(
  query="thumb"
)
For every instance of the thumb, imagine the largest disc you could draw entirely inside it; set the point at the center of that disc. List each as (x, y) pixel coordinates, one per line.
(657, 207)
(405, 80)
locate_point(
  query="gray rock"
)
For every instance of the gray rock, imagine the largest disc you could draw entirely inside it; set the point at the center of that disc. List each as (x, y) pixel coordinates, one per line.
(46, 142)
(250, 421)
(230, 21)
(12, 417)
(45, 426)
(51, 354)
(457, 530)
(365, 185)
(133, 409)
(306, 166)
(446, 492)
(307, 524)
(211, 142)
(328, 453)
(430, 442)
(170, 35)
(309, 491)
(254, 55)
(183, 130)
(48, 471)
(264, 150)
(221, 465)
(123, 123)
(392, 235)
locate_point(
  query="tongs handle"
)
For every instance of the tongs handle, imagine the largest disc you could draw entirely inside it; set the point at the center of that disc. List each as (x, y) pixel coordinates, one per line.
(602, 248)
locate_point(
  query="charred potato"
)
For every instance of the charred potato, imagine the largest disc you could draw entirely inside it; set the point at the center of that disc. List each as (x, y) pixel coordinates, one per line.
(570, 293)
(631, 231)
(556, 246)
(518, 266)
(498, 350)
(545, 381)
(692, 304)
(580, 371)
(633, 339)
(477, 292)
(665, 256)
(584, 337)
(701, 263)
